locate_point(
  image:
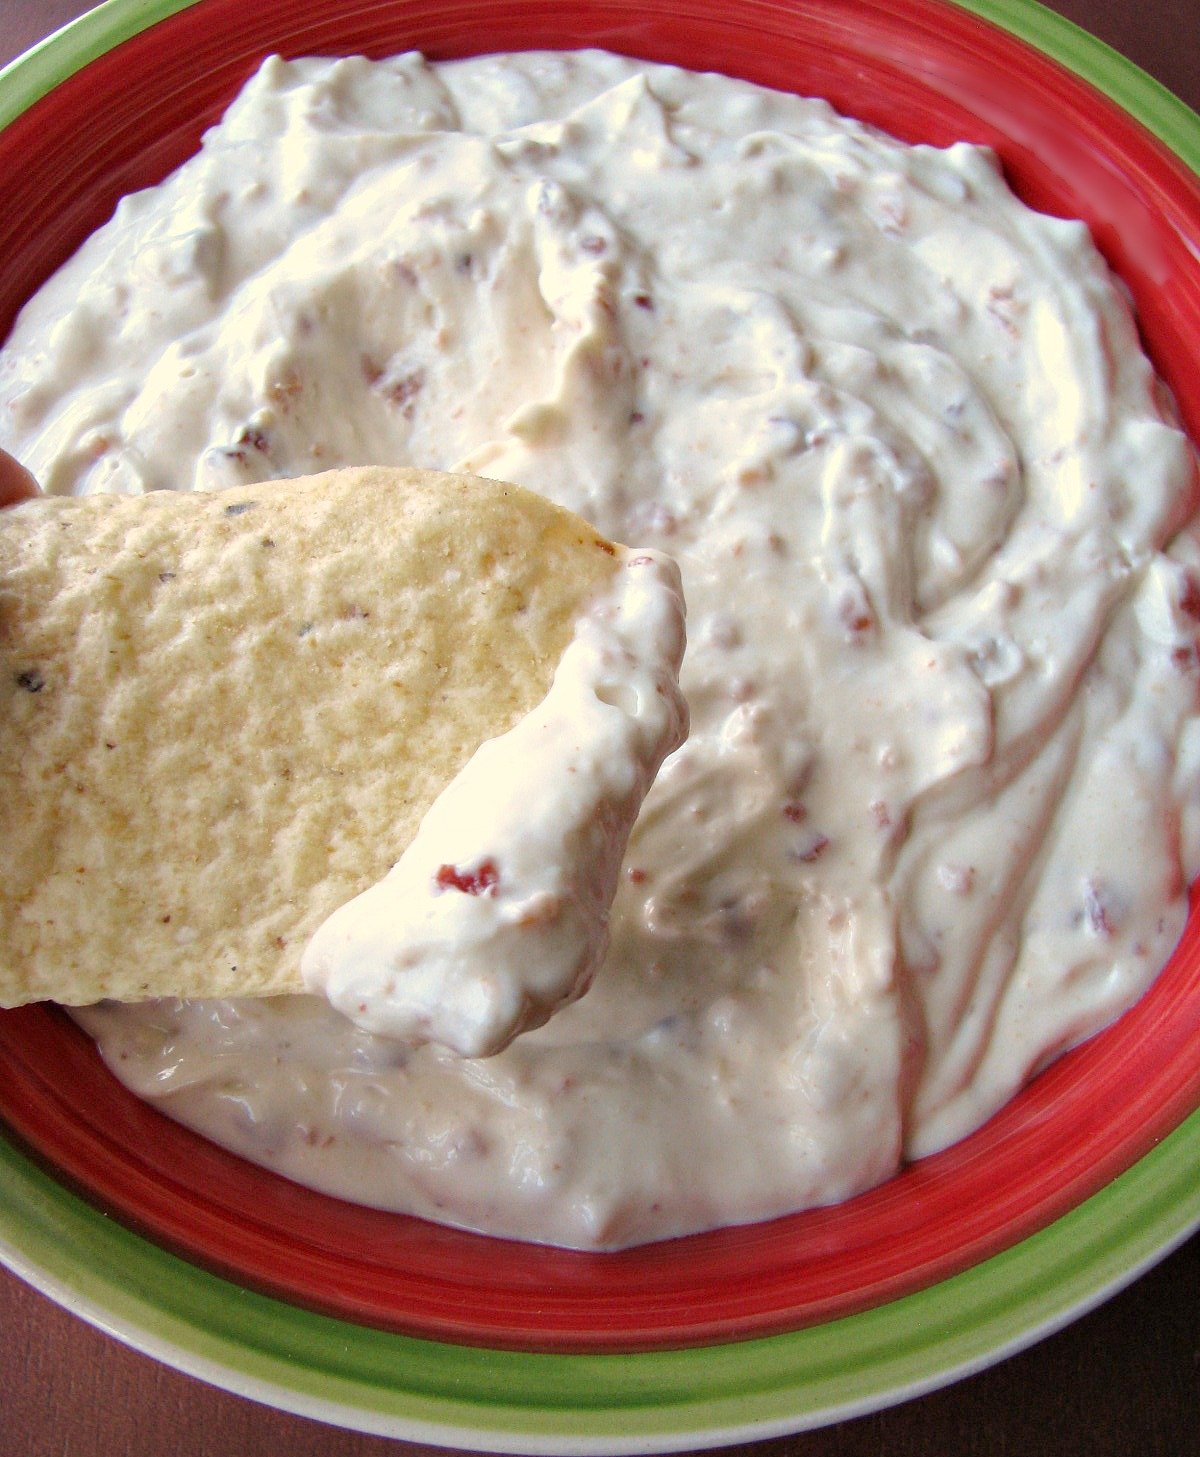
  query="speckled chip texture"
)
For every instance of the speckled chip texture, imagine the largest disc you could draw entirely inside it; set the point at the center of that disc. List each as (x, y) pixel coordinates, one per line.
(225, 713)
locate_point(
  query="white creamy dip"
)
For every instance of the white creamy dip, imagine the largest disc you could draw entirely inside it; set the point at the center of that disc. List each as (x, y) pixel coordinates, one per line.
(497, 913)
(938, 810)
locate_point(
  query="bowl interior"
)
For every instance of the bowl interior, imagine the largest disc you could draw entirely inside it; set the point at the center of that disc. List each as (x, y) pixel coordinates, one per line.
(925, 71)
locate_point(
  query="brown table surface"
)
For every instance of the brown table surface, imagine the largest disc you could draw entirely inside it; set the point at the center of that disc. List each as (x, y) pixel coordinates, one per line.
(1125, 1379)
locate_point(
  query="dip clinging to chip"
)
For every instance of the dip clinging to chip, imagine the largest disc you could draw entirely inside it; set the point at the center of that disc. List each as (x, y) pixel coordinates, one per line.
(226, 715)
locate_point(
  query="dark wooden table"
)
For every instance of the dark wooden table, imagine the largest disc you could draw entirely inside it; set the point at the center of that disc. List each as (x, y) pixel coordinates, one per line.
(1124, 1380)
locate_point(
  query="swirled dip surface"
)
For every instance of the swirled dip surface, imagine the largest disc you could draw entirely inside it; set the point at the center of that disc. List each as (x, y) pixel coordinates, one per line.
(938, 810)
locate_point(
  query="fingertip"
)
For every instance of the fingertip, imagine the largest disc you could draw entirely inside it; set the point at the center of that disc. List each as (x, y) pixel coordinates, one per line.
(16, 483)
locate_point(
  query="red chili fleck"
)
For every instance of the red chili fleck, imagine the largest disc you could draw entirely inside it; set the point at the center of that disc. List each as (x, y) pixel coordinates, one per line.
(1098, 909)
(636, 874)
(816, 847)
(404, 390)
(795, 812)
(479, 881)
(1189, 598)
(643, 300)
(283, 390)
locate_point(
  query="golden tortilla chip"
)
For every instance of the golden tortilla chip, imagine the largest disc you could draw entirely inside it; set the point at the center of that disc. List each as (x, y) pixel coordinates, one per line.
(225, 714)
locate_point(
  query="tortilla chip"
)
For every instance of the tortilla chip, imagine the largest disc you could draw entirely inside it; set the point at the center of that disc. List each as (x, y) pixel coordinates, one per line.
(225, 714)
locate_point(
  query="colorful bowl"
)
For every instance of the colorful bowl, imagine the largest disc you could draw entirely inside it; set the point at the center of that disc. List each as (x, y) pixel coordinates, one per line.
(393, 1325)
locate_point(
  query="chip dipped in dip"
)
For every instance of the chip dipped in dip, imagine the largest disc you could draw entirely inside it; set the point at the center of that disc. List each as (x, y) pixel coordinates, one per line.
(227, 713)
(496, 915)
